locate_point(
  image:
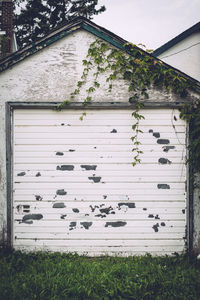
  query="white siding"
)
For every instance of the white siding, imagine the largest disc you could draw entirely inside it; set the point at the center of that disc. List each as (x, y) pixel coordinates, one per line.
(76, 190)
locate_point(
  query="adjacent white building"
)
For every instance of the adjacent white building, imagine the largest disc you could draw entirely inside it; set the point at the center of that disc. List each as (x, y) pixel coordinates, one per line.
(183, 52)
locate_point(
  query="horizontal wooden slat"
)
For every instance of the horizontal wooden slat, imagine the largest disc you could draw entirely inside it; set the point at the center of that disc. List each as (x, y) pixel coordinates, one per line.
(109, 179)
(97, 121)
(57, 177)
(99, 236)
(67, 142)
(62, 174)
(69, 111)
(99, 186)
(100, 192)
(134, 173)
(105, 167)
(113, 123)
(100, 148)
(106, 113)
(88, 207)
(85, 155)
(101, 223)
(151, 206)
(98, 129)
(125, 216)
(114, 136)
(122, 212)
(111, 251)
(98, 230)
(88, 160)
(143, 198)
(81, 233)
(102, 243)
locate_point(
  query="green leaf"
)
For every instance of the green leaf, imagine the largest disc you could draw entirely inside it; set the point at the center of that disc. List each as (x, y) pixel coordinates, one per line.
(134, 126)
(90, 90)
(139, 131)
(85, 62)
(132, 100)
(80, 83)
(97, 84)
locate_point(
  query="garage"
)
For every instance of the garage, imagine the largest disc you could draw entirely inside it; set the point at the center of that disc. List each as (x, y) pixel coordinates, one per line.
(75, 189)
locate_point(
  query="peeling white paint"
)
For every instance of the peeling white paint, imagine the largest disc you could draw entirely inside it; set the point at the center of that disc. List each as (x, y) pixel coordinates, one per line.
(93, 198)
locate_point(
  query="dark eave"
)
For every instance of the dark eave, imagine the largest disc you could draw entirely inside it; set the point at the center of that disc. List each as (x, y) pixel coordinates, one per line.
(177, 39)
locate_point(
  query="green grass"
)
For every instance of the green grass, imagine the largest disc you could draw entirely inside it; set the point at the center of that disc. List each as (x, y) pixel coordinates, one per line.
(56, 276)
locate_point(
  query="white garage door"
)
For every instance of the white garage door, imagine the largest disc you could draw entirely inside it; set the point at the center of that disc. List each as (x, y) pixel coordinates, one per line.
(75, 189)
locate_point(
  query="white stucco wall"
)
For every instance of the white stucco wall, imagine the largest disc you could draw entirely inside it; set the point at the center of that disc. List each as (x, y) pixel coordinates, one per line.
(50, 75)
(185, 56)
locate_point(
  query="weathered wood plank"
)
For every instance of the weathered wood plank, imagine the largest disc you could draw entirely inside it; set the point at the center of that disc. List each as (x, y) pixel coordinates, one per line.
(79, 233)
(158, 111)
(105, 167)
(107, 179)
(101, 185)
(104, 160)
(120, 193)
(63, 155)
(95, 113)
(102, 243)
(101, 236)
(126, 216)
(61, 141)
(97, 129)
(111, 251)
(99, 211)
(99, 135)
(101, 223)
(97, 122)
(101, 148)
(143, 198)
(170, 206)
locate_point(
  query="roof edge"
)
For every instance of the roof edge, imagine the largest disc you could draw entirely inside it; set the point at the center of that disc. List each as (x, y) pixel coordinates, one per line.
(177, 39)
(32, 48)
(58, 33)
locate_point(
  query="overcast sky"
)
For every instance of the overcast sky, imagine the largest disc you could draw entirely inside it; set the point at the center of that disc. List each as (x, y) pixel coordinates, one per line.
(150, 22)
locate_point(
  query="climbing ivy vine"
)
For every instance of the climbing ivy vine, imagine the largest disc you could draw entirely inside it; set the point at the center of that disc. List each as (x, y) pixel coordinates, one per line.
(142, 71)
(191, 113)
